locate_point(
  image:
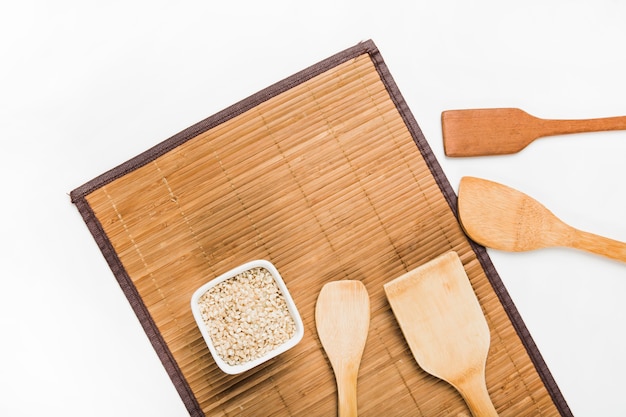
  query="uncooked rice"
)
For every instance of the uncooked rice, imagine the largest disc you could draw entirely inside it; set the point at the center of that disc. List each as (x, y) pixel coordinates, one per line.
(246, 316)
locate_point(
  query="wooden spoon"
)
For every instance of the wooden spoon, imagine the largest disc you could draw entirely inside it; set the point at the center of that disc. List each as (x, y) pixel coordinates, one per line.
(503, 218)
(342, 316)
(504, 131)
(444, 326)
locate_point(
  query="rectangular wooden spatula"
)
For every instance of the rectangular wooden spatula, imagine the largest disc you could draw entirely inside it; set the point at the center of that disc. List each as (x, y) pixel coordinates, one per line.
(481, 132)
(444, 326)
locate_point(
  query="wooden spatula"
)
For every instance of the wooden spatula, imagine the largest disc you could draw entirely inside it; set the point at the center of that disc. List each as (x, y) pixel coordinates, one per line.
(480, 132)
(342, 317)
(444, 326)
(503, 218)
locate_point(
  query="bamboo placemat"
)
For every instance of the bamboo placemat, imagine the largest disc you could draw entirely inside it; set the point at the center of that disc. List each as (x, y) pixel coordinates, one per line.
(327, 175)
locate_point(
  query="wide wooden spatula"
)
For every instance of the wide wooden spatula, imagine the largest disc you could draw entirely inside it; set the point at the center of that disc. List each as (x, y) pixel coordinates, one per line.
(444, 326)
(503, 218)
(342, 318)
(480, 132)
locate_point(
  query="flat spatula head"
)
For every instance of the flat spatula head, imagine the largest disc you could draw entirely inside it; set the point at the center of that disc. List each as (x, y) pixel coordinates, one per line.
(479, 132)
(441, 318)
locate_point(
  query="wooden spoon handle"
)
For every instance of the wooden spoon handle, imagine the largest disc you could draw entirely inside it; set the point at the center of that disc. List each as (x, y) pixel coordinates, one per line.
(550, 127)
(346, 393)
(600, 245)
(474, 391)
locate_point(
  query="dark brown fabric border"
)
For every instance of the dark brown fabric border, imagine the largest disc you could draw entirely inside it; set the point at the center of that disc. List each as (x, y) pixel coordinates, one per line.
(481, 253)
(140, 309)
(78, 197)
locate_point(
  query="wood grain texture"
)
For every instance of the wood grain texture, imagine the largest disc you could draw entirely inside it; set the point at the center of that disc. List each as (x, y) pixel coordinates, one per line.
(481, 132)
(500, 217)
(342, 319)
(323, 179)
(443, 323)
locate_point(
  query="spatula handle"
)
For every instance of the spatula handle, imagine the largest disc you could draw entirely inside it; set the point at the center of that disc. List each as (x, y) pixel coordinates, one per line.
(558, 127)
(600, 245)
(474, 391)
(346, 393)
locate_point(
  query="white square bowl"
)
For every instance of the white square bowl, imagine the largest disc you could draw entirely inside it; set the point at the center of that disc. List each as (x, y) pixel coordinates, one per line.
(195, 308)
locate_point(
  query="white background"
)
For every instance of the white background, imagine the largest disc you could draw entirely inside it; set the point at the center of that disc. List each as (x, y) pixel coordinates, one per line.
(86, 85)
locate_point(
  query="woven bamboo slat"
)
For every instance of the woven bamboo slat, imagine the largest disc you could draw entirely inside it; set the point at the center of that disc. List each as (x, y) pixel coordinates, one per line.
(328, 180)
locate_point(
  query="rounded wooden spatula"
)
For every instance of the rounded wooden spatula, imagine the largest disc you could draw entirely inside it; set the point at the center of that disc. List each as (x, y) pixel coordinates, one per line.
(500, 217)
(342, 318)
(445, 328)
(481, 132)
